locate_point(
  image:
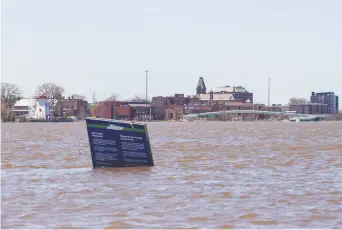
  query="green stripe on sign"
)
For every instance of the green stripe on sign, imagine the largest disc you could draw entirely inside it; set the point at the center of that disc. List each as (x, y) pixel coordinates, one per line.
(97, 126)
(134, 130)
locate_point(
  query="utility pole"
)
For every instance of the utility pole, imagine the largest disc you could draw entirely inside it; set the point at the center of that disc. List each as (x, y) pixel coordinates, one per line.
(94, 98)
(146, 71)
(113, 97)
(269, 92)
(114, 108)
(92, 109)
(146, 93)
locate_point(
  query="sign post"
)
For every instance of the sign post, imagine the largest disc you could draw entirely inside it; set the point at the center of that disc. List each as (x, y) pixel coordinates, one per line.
(118, 143)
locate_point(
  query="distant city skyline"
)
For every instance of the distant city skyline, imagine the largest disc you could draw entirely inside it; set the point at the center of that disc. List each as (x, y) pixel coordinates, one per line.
(105, 46)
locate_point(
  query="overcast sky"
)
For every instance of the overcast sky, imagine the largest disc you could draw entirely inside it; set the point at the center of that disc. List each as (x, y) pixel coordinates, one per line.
(106, 46)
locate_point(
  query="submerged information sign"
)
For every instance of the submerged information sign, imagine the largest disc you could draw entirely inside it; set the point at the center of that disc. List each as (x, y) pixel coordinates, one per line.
(118, 143)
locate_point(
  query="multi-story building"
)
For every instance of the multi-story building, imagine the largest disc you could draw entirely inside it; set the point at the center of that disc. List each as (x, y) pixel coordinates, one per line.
(197, 108)
(24, 106)
(222, 98)
(174, 113)
(232, 106)
(158, 106)
(328, 98)
(179, 99)
(122, 110)
(223, 94)
(310, 108)
(74, 107)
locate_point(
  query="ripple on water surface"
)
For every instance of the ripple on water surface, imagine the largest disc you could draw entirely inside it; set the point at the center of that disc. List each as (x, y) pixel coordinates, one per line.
(207, 175)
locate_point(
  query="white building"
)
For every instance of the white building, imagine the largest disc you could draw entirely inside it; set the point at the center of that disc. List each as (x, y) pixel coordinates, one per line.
(24, 107)
(35, 108)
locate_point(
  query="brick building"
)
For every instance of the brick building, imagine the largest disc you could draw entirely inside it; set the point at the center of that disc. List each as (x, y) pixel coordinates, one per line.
(162, 107)
(310, 108)
(113, 109)
(223, 94)
(232, 106)
(122, 110)
(73, 107)
(197, 108)
(174, 113)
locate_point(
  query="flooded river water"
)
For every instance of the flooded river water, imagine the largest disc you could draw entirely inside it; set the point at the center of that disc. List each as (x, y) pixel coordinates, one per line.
(206, 175)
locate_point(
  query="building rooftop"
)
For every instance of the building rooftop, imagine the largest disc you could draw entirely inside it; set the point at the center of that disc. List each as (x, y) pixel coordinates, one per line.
(217, 97)
(308, 103)
(229, 89)
(26, 102)
(139, 105)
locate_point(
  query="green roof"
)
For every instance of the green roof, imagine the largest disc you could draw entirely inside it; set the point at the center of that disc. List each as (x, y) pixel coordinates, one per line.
(248, 112)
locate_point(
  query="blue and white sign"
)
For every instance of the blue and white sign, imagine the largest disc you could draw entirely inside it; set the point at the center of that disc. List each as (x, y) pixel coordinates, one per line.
(118, 143)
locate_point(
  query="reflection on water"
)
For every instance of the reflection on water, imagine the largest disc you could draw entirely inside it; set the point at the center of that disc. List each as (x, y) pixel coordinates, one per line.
(207, 175)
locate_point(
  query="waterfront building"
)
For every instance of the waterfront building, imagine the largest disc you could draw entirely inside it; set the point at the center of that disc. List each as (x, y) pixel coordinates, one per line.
(197, 108)
(74, 107)
(328, 98)
(309, 108)
(223, 94)
(122, 110)
(24, 107)
(174, 113)
(221, 98)
(35, 108)
(169, 108)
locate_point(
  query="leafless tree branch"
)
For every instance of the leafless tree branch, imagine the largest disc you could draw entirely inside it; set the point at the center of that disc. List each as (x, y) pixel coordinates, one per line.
(10, 92)
(137, 98)
(295, 100)
(52, 91)
(113, 97)
(78, 97)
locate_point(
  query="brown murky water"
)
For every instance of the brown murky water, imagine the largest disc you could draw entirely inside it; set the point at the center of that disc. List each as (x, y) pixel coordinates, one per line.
(207, 175)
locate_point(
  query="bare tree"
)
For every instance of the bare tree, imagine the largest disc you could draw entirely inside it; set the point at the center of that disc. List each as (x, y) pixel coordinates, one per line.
(52, 91)
(137, 98)
(78, 97)
(10, 92)
(113, 97)
(295, 100)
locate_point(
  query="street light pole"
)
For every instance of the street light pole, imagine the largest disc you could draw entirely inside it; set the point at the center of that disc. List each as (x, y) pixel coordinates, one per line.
(114, 107)
(146, 71)
(269, 92)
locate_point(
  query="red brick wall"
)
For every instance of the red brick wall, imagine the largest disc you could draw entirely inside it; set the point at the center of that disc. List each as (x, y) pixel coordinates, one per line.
(124, 111)
(104, 109)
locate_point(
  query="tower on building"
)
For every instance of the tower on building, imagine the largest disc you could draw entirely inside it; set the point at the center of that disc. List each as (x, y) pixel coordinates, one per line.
(201, 88)
(42, 107)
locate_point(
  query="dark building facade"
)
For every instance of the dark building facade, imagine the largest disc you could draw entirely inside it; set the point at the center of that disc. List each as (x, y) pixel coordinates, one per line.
(72, 107)
(223, 94)
(310, 108)
(328, 98)
(123, 110)
(162, 106)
